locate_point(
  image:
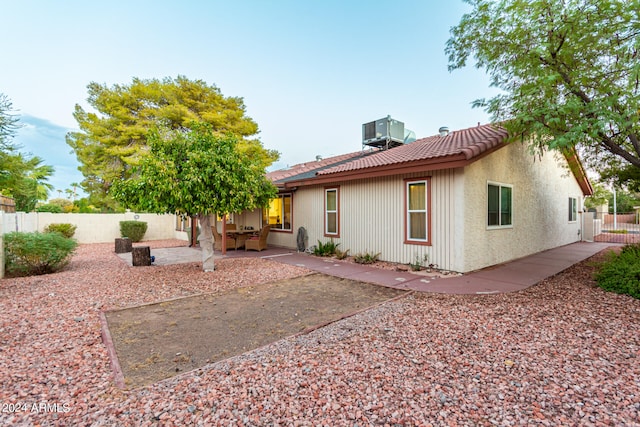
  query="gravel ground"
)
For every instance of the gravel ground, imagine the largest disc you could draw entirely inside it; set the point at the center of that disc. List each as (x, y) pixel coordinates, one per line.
(560, 353)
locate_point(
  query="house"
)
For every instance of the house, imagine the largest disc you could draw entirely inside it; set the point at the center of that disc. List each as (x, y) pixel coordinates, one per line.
(461, 200)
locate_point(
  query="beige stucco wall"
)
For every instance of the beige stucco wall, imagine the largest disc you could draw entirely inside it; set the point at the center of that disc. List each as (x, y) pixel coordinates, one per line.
(541, 191)
(93, 228)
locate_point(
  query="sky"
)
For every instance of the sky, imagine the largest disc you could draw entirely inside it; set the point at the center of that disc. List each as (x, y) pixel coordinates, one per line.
(310, 72)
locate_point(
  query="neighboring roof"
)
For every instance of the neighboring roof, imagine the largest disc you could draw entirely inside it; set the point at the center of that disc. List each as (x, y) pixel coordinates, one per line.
(457, 149)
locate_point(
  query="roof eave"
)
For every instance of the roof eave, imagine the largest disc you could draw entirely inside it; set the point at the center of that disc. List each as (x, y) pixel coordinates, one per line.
(448, 162)
(576, 167)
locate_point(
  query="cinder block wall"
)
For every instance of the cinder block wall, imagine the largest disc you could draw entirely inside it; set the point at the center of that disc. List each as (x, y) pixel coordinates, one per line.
(93, 228)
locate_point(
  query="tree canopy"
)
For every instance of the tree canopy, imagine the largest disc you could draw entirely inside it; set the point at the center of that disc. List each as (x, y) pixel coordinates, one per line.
(113, 139)
(23, 177)
(9, 123)
(196, 172)
(569, 72)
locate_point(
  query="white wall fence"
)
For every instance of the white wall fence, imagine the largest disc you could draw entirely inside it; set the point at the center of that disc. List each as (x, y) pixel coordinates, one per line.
(592, 227)
(92, 228)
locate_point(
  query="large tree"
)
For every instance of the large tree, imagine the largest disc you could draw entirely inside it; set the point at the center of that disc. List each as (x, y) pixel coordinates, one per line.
(9, 124)
(196, 172)
(113, 139)
(23, 177)
(569, 71)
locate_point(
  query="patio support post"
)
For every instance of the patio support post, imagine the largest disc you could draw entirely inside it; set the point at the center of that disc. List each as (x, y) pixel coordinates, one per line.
(224, 234)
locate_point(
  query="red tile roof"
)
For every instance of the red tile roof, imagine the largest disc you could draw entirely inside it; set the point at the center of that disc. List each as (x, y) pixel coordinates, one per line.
(456, 149)
(467, 143)
(309, 167)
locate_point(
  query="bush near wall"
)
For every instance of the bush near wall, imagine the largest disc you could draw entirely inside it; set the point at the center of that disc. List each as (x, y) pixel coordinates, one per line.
(67, 230)
(30, 254)
(621, 272)
(134, 230)
(49, 208)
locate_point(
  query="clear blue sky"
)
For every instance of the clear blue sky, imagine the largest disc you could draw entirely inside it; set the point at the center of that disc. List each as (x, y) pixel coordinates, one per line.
(310, 72)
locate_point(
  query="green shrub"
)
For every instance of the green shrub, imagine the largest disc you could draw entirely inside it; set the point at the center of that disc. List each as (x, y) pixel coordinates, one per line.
(30, 254)
(366, 258)
(49, 208)
(326, 249)
(621, 231)
(67, 230)
(419, 263)
(134, 230)
(632, 249)
(620, 273)
(342, 254)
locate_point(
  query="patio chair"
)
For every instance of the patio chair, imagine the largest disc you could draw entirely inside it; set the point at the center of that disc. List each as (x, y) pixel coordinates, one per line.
(258, 243)
(217, 237)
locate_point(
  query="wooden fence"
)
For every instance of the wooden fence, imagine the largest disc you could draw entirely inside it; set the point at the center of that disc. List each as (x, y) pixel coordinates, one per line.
(7, 204)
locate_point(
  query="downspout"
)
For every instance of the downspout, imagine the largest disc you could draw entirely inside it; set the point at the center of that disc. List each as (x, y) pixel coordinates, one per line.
(582, 212)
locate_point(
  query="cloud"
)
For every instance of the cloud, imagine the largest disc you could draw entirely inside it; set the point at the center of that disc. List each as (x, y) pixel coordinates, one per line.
(46, 140)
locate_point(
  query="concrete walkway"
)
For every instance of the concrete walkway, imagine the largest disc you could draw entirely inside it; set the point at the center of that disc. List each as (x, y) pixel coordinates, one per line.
(508, 277)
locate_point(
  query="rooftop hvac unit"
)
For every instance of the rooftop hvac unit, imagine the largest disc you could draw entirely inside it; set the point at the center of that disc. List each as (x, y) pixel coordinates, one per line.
(384, 133)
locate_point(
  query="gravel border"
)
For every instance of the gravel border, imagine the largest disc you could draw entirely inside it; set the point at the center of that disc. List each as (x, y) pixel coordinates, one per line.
(562, 352)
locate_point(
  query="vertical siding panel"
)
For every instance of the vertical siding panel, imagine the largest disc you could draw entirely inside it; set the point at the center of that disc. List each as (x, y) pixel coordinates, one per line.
(372, 218)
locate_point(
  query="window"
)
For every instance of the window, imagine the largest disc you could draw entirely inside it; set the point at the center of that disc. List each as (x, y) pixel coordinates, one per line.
(500, 205)
(331, 216)
(278, 214)
(182, 222)
(417, 211)
(573, 209)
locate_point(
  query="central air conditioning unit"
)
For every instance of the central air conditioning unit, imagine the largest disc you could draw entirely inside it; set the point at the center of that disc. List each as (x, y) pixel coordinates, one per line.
(384, 133)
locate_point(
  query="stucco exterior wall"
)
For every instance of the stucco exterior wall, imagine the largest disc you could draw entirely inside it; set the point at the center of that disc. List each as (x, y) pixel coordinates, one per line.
(541, 191)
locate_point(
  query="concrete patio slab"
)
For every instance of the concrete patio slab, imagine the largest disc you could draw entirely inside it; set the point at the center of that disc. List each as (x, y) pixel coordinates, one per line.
(168, 256)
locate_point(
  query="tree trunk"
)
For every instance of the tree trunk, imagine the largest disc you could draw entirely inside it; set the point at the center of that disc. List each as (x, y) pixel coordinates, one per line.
(123, 245)
(206, 243)
(141, 256)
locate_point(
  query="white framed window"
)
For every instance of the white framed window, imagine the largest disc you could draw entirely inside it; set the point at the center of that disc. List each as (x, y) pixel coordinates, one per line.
(417, 211)
(573, 209)
(332, 212)
(499, 205)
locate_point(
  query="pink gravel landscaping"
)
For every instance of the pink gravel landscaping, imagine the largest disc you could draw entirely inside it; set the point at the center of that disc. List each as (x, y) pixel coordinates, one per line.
(562, 352)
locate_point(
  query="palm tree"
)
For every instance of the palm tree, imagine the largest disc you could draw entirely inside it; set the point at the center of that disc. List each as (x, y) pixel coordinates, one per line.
(40, 173)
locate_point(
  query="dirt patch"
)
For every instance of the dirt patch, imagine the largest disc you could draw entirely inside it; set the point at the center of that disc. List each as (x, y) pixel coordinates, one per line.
(157, 341)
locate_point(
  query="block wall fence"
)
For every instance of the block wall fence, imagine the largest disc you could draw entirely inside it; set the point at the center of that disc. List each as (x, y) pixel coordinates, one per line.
(93, 228)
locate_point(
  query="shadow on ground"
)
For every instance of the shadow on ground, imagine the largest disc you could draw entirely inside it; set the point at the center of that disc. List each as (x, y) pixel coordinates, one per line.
(158, 341)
